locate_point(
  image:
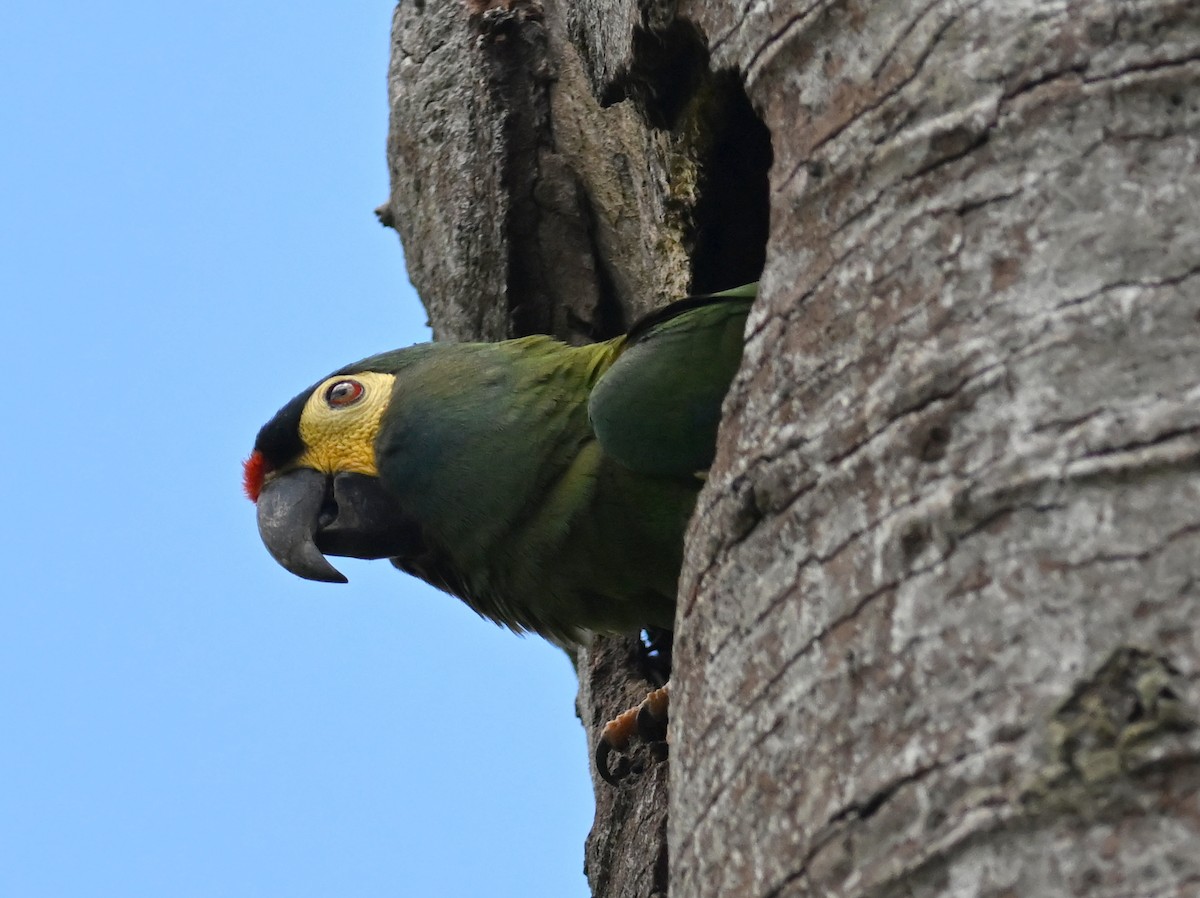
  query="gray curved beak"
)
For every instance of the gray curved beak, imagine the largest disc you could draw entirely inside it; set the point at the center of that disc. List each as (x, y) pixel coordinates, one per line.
(289, 517)
(304, 515)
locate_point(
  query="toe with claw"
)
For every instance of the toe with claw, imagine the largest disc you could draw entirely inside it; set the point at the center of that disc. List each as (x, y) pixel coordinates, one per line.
(648, 721)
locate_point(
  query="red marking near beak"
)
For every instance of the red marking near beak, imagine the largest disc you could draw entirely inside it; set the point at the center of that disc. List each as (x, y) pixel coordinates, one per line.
(254, 470)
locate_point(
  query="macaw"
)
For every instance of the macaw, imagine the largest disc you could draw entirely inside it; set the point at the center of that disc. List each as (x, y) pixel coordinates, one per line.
(548, 486)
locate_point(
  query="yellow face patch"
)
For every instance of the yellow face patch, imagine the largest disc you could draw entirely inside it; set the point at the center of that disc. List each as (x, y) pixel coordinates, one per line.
(341, 420)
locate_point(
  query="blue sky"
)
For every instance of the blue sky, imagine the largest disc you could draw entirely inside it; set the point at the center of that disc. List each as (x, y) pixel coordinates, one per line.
(187, 241)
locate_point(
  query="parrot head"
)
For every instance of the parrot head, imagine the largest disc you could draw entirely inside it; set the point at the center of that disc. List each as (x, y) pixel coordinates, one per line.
(314, 477)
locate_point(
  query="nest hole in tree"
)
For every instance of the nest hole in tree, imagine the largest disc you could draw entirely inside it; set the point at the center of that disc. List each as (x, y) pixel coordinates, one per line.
(672, 83)
(732, 215)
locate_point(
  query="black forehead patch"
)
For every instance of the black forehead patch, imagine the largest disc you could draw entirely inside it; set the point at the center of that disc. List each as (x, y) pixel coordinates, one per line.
(279, 440)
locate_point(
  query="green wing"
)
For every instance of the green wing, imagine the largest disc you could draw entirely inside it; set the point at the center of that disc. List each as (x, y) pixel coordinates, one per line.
(656, 410)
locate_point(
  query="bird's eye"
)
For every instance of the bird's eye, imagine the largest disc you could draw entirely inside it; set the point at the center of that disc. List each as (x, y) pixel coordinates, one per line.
(343, 393)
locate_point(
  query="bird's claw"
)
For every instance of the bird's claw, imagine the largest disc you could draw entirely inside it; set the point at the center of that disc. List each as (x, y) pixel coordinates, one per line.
(648, 721)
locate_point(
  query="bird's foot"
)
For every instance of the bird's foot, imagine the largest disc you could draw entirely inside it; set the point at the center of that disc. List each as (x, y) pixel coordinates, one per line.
(648, 721)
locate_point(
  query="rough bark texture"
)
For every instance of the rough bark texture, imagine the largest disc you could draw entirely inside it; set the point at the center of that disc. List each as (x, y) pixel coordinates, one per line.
(939, 627)
(938, 630)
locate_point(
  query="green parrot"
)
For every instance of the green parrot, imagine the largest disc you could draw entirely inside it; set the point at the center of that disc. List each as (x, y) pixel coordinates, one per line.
(548, 486)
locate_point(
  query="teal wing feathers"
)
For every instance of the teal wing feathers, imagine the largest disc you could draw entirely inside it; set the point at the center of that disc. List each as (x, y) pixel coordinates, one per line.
(656, 410)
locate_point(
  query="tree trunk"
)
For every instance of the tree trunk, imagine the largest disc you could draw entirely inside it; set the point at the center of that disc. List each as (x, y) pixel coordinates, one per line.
(938, 625)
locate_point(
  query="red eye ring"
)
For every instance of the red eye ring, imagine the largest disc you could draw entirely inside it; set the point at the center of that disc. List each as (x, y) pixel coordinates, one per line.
(343, 393)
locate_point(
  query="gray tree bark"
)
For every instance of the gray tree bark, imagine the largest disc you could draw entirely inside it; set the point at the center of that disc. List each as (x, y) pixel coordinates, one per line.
(938, 625)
